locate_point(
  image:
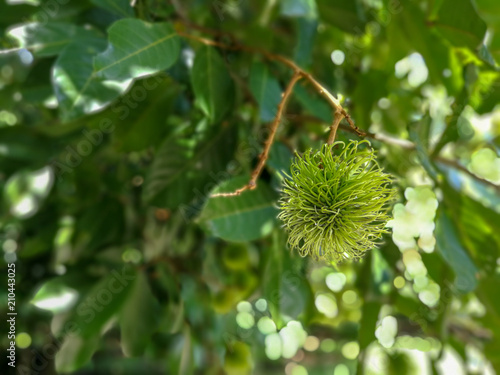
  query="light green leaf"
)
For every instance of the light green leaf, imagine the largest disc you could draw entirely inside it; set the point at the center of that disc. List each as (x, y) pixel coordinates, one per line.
(452, 251)
(246, 217)
(137, 48)
(119, 7)
(139, 318)
(49, 39)
(55, 296)
(212, 84)
(77, 89)
(266, 90)
(459, 22)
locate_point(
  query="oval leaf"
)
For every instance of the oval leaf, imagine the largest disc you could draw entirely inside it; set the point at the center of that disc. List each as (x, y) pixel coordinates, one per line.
(49, 39)
(212, 84)
(266, 90)
(139, 317)
(77, 89)
(137, 48)
(246, 217)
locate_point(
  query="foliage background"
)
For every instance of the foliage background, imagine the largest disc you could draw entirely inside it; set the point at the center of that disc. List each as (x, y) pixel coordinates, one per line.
(118, 121)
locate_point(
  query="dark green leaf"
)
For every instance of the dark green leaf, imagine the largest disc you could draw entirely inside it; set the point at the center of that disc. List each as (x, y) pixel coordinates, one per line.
(266, 90)
(306, 30)
(75, 352)
(246, 217)
(121, 8)
(284, 283)
(454, 254)
(299, 8)
(183, 169)
(139, 318)
(346, 15)
(212, 84)
(460, 23)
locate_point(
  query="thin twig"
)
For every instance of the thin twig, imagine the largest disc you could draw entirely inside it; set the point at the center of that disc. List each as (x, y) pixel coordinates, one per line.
(333, 128)
(252, 184)
(403, 143)
(460, 167)
(282, 59)
(340, 113)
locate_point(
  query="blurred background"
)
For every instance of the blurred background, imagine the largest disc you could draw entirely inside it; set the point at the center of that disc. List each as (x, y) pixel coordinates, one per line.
(119, 118)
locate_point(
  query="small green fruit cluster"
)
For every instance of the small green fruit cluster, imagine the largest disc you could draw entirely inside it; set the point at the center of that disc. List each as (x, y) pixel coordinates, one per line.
(238, 276)
(335, 207)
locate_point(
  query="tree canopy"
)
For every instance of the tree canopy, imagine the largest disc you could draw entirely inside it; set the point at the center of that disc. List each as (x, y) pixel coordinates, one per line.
(160, 201)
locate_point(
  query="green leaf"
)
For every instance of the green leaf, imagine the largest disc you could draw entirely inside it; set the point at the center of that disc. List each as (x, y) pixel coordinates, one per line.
(85, 325)
(280, 158)
(312, 105)
(346, 15)
(452, 251)
(370, 87)
(141, 113)
(77, 88)
(120, 8)
(182, 168)
(488, 295)
(476, 226)
(103, 301)
(368, 323)
(24, 147)
(49, 39)
(54, 290)
(284, 282)
(139, 318)
(306, 30)
(75, 352)
(299, 8)
(459, 22)
(266, 90)
(100, 224)
(407, 33)
(137, 48)
(246, 217)
(419, 134)
(212, 84)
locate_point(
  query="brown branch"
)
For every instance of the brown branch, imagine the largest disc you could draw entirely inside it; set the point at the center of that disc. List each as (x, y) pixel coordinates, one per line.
(403, 143)
(334, 102)
(298, 74)
(252, 184)
(461, 168)
(333, 128)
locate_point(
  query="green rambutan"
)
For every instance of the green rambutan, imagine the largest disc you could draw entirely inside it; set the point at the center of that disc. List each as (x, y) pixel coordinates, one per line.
(335, 207)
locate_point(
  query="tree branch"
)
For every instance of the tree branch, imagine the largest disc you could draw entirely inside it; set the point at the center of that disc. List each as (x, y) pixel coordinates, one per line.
(333, 128)
(339, 114)
(252, 184)
(334, 102)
